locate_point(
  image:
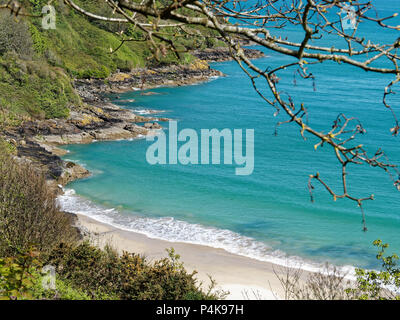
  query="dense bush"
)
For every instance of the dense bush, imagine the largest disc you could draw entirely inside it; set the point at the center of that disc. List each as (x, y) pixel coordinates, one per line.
(29, 215)
(105, 273)
(21, 278)
(18, 275)
(14, 36)
(85, 272)
(35, 88)
(78, 48)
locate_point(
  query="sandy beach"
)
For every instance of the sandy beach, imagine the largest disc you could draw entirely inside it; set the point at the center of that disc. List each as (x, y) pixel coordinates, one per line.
(243, 277)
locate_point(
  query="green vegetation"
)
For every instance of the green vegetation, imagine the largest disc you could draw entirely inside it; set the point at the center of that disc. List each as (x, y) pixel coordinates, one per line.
(34, 88)
(85, 272)
(105, 274)
(29, 215)
(37, 65)
(6, 148)
(29, 85)
(63, 291)
(373, 285)
(86, 48)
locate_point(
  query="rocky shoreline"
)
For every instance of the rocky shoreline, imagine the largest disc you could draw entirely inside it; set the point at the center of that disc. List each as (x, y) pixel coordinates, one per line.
(223, 54)
(98, 120)
(92, 90)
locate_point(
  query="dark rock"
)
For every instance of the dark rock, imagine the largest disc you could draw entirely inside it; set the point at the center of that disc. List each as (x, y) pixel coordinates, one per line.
(52, 164)
(153, 125)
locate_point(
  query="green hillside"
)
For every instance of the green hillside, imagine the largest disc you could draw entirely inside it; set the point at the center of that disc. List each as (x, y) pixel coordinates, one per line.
(37, 65)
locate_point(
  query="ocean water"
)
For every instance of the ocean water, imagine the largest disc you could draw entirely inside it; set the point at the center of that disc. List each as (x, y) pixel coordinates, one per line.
(267, 215)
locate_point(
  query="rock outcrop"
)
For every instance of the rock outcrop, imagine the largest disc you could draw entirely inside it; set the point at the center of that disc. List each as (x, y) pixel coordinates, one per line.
(223, 54)
(92, 90)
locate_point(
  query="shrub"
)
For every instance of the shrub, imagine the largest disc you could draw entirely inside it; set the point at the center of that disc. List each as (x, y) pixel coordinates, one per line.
(63, 291)
(35, 88)
(130, 276)
(379, 285)
(40, 44)
(7, 147)
(29, 215)
(18, 275)
(14, 36)
(21, 278)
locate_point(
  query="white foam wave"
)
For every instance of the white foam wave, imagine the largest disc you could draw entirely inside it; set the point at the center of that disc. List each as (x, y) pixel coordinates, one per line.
(143, 111)
(147, 111)
(173, 230)
(214, 78)
(139, 136)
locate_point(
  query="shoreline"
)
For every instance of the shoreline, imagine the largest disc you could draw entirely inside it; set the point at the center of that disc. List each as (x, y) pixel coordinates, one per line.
(200, 235)
(245, 278)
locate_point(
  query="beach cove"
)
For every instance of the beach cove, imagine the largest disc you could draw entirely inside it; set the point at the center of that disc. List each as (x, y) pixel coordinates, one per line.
(244, 278)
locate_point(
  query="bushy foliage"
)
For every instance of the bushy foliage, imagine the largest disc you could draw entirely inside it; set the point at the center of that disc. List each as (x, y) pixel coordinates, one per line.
(85, 272)
(7, 147)
(82, 45)
(34, 88)
(18, 275)
(29, 215)
(379, 285)
(62, 291)
(36, 80)
(22, 278)
(14, 36)
(130, 276)
(39, 42)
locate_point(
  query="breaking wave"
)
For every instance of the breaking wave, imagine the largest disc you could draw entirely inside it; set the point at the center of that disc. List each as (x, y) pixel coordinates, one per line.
(170, 229)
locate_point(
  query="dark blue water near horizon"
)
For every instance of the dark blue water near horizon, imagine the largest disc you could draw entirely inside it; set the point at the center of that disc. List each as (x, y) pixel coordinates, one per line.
(269, 212)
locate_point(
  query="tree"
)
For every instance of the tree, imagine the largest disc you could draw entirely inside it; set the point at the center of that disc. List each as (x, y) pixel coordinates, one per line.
(236, 21)
(29, 214)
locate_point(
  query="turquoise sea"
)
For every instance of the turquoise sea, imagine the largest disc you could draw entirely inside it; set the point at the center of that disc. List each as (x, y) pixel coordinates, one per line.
(267, 215)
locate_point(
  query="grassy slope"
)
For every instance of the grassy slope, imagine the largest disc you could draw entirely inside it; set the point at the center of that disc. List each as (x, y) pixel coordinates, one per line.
(33, 89)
